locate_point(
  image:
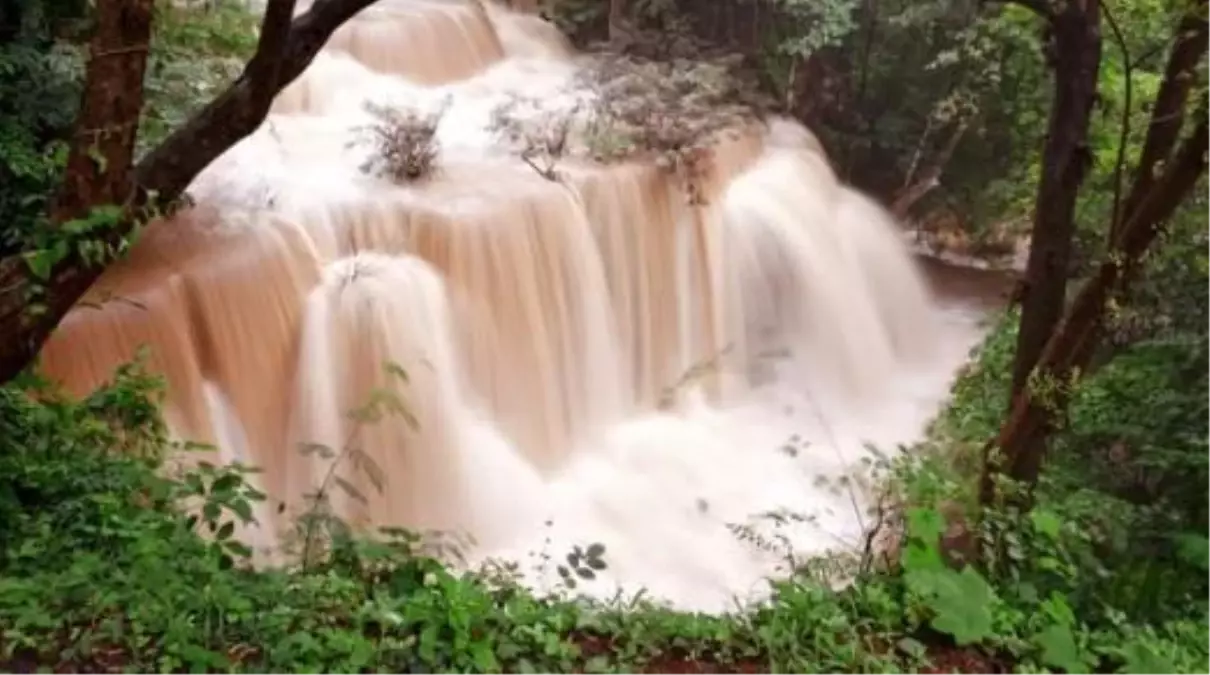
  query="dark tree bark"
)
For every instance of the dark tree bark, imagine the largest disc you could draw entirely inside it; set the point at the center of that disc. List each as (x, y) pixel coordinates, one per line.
(1190, 46)
(1159, 186)
(98, 172)
(109, 114)
(1070, 350)
(1076, 33)
(102, 150)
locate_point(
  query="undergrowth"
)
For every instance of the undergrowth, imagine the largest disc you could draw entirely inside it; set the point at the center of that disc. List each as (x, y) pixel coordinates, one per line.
(111, 561)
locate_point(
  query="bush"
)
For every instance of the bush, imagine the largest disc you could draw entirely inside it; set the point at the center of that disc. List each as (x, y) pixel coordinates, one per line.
(1127, 473)
(109, 560)
(405, 144)
(667, 111)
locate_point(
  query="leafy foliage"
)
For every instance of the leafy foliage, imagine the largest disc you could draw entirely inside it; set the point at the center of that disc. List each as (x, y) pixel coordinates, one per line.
(110, 559)
(671, 112)
(196, 51)
(39, 91)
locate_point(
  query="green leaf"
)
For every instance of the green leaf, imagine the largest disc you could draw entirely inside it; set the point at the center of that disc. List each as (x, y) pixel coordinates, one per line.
(917, 557)
(1139, 658)
(1046, 523)
(483, 657)
(39, 263)
(961, 602)
(925, 525)
(1059, 649)
(1194, 549)
(225, 531)
(243, 509)
(225, 483)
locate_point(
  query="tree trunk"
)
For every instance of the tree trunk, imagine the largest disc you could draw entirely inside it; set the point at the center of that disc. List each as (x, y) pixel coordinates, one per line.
(1075, 53)
(1071, 348)
(112, 90)
(102, 149)
(98, 172)
(617, 19)
(1160, 185)
(1077, 56)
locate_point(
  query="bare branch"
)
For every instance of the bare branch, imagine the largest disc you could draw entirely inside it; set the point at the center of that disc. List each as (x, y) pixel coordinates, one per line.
(930, 178)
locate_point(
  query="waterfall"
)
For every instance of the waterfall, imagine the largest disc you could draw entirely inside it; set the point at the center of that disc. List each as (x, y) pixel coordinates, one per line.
(596, 358)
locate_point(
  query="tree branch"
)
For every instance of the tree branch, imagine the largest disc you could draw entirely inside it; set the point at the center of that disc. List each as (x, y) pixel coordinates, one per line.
(168, 169)
(1124, 137)
(284, 51)
(264, 68)
(930, 178)
(1071, 348)
(1168, 113)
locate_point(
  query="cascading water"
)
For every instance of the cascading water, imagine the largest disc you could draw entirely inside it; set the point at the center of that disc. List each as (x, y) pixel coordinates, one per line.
(594, 359)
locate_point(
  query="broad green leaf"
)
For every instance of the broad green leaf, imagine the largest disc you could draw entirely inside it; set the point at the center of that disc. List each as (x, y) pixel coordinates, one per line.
(961, 602)
(925, 525)
(1139, 658)
(1046, 523)
(1059, 649)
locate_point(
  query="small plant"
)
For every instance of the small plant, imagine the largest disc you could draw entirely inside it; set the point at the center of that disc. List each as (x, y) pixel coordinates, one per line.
(320, 524)
(225, 498)
(542, 136)
(669, 112)
(694, 375)
(582, 563)
(674, 110)
(405, 143)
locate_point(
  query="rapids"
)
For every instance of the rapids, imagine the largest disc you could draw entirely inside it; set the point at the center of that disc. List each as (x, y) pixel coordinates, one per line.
(589, 360)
